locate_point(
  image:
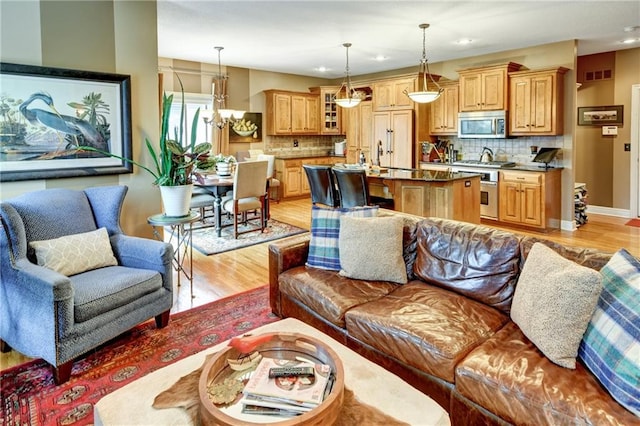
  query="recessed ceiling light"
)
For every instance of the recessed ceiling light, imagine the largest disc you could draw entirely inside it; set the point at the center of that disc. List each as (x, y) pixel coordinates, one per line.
(322, 69)
(380, 58)
(630, 40)
(464, 41)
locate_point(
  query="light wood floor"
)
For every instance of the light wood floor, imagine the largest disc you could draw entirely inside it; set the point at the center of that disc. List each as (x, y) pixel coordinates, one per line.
(225, 274)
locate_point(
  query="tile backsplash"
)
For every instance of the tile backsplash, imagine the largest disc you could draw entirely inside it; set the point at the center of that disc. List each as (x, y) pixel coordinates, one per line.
(517, 150)
(307, 145)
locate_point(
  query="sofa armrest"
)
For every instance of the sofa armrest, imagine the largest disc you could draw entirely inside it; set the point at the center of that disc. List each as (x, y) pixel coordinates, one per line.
(285, 254)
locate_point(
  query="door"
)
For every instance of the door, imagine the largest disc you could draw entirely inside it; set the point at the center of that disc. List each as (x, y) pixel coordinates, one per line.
(402, 138)
(493, 90)
(282, 113)
(298, 114)
(382, 136)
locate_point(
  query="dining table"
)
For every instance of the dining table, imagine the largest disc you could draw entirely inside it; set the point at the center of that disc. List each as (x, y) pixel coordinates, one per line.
(218, 186)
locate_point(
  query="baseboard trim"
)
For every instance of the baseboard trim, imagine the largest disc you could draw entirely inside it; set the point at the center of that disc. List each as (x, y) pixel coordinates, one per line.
(568, 225)
(608, 211)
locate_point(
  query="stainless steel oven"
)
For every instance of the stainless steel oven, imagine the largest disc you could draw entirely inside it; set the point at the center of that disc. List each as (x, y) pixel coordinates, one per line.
(488, 190)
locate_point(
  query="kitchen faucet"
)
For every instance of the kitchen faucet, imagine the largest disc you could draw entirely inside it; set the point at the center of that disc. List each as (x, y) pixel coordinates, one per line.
(379, 153)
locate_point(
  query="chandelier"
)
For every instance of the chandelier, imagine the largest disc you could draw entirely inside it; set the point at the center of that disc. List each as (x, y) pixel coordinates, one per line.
(424, 95)
(221, 115)
(346, 96)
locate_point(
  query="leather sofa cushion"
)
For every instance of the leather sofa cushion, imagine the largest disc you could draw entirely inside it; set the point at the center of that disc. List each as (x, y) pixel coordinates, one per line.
(479, 262)
(426, 327)
(591, 258)
(328, 294)
(510, 377)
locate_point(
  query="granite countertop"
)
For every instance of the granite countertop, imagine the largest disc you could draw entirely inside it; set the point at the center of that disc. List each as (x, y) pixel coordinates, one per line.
(302, 156)
(421, 175)
(523, 168)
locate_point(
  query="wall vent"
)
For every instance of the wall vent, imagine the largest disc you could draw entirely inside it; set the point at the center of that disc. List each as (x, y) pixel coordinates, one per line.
(597, 75)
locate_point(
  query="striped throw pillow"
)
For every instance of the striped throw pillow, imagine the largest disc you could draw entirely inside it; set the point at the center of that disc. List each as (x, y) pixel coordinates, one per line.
(324, 250)
(610, 347)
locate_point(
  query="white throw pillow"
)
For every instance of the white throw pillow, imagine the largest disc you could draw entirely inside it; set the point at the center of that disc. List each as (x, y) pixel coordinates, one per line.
(73, 254)
(553, 303)
(371, 248)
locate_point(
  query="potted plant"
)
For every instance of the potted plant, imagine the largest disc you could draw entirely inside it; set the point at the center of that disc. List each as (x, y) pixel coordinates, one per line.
(223, 163)
(175, 161)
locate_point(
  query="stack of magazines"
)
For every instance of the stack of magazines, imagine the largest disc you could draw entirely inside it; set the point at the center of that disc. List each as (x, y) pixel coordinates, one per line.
(287, 395)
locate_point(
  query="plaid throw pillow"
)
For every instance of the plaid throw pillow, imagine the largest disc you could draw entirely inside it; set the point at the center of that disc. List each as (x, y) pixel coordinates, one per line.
(324, 250)
(610, 347)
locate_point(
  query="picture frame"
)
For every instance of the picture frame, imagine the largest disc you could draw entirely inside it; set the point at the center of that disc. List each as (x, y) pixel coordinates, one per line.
(46, 113)
(256, 136)
(611, 115)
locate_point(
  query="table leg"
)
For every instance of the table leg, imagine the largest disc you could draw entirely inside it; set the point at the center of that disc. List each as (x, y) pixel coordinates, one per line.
(218, 213)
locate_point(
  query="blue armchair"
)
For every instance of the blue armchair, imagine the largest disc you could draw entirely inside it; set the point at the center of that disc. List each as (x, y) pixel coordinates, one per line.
(46, 314)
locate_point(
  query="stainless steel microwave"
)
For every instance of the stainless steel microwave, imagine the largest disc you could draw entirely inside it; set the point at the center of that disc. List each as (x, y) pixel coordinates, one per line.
(482, 124)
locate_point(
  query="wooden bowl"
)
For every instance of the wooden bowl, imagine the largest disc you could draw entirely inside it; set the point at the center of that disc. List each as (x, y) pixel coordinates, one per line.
(284, 346)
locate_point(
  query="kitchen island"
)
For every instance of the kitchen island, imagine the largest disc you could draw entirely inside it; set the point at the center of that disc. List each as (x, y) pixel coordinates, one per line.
(434, 193)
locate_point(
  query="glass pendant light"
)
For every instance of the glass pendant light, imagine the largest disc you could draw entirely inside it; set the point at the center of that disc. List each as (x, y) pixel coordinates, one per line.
(346, 96)
(424, 95)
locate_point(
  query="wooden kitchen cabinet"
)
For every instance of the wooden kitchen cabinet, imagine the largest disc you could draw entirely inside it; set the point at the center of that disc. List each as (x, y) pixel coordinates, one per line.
(485, 88)
(358, 131)
(330, 116)
(394, 129)
(530, 198)
(536, 102)
(292, 177)
(443, 119)
(292, 113)
(388, 95)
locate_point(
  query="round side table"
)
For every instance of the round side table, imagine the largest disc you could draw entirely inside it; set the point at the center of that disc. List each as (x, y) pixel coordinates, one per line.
(183, 234)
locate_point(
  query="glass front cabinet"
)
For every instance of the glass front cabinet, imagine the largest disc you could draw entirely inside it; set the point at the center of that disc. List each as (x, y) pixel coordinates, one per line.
(330, 113)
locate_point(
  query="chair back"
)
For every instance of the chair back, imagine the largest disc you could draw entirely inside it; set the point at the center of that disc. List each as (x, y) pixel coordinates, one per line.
(271, 162)
(54, 213)
(242, 156)
(322, 185)
(250, 180)
(352, 186)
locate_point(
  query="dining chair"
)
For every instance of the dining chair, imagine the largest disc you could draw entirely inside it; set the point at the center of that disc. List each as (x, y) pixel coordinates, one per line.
(352, 187)
(249, 194)
(274, 184)
(202, 199)
(242, 156)
(322, 184)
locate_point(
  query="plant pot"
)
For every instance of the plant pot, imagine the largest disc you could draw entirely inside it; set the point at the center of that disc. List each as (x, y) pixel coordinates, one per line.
(176, 200)
(223, 169)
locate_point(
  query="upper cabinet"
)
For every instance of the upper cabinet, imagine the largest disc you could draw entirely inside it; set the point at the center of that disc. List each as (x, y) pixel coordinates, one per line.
(536, 102)
(292, 113)
(485, 88)
(388, 95)
(443, 119)
(330, 115)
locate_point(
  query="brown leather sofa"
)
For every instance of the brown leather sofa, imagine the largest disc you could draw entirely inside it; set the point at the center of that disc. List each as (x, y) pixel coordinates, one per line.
(447, 331)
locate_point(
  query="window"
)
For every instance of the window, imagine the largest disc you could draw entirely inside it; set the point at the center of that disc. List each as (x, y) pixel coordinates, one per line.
(192, 102)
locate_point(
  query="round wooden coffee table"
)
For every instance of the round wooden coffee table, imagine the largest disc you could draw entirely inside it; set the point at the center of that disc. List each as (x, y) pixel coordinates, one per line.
(281, 346)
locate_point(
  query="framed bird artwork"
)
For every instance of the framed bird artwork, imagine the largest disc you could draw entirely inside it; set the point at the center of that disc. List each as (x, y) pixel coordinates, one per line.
(47, 113)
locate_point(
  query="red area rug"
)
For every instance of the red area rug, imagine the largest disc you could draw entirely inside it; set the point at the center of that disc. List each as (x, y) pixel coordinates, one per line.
(634, 222)
(30, 397)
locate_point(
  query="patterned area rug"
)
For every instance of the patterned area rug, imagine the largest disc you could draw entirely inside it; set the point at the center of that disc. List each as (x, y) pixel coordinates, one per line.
(30, 397)
(207, 242)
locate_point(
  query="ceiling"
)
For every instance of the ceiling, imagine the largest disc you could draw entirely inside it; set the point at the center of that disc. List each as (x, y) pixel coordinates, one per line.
(299, 37)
